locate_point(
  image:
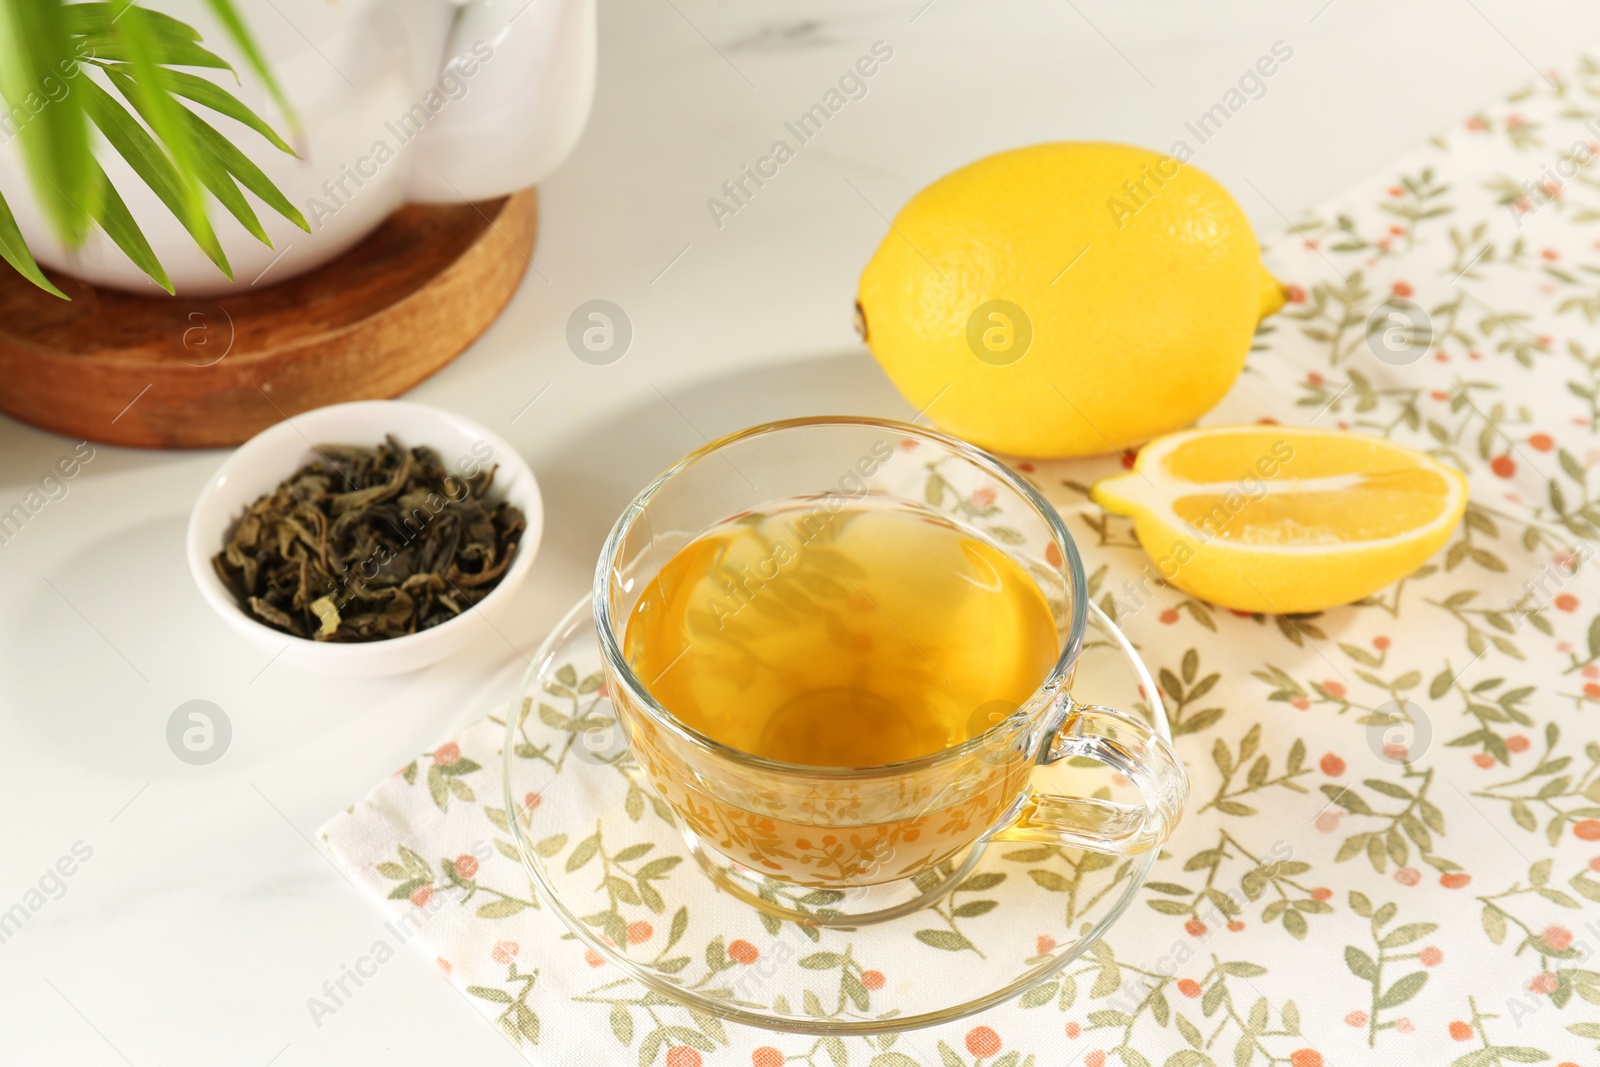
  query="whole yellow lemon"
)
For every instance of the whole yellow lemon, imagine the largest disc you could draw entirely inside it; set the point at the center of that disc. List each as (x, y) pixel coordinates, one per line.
(1066, 299)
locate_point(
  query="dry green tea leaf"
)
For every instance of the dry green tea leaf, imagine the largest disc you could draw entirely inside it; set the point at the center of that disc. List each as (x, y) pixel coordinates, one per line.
(364, 544)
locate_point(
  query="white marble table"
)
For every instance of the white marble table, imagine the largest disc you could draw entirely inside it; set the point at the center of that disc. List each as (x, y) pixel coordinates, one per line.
(204, 918)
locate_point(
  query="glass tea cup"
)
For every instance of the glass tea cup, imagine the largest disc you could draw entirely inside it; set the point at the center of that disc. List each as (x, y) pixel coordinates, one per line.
(897, 834)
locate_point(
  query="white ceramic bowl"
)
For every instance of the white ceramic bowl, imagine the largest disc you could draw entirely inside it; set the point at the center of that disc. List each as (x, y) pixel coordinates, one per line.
(257, 466)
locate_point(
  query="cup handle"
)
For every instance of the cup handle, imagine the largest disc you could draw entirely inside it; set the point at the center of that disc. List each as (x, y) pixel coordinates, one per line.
(1126, 745)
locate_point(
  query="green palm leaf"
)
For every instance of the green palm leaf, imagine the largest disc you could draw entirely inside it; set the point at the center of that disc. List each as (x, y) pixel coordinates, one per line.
(203, 164)
(209, 94)
(147, 91)
(83, 19)
(171, 51)
(248, 174)
(228, 15)
(15, 252)
(118, 223)
(219, 162)
(135, 145)
(36, 49)
(176, 153)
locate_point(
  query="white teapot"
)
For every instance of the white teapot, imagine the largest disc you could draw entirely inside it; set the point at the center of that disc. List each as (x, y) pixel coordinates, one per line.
(430, 101)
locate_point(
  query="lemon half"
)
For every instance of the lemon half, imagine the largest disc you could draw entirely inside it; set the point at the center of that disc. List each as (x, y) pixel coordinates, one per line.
(1285, 519)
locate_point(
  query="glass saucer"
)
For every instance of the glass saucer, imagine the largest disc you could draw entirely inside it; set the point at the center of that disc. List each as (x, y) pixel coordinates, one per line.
(609, 857)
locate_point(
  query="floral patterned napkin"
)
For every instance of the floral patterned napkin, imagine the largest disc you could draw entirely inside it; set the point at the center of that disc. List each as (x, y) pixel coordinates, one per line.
(1392, 853)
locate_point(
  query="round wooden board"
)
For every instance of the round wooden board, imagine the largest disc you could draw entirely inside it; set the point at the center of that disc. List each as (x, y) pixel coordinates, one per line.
(203, 372)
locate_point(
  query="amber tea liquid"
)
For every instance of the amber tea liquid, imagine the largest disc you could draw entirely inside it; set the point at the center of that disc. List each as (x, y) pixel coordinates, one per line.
(857, 638)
